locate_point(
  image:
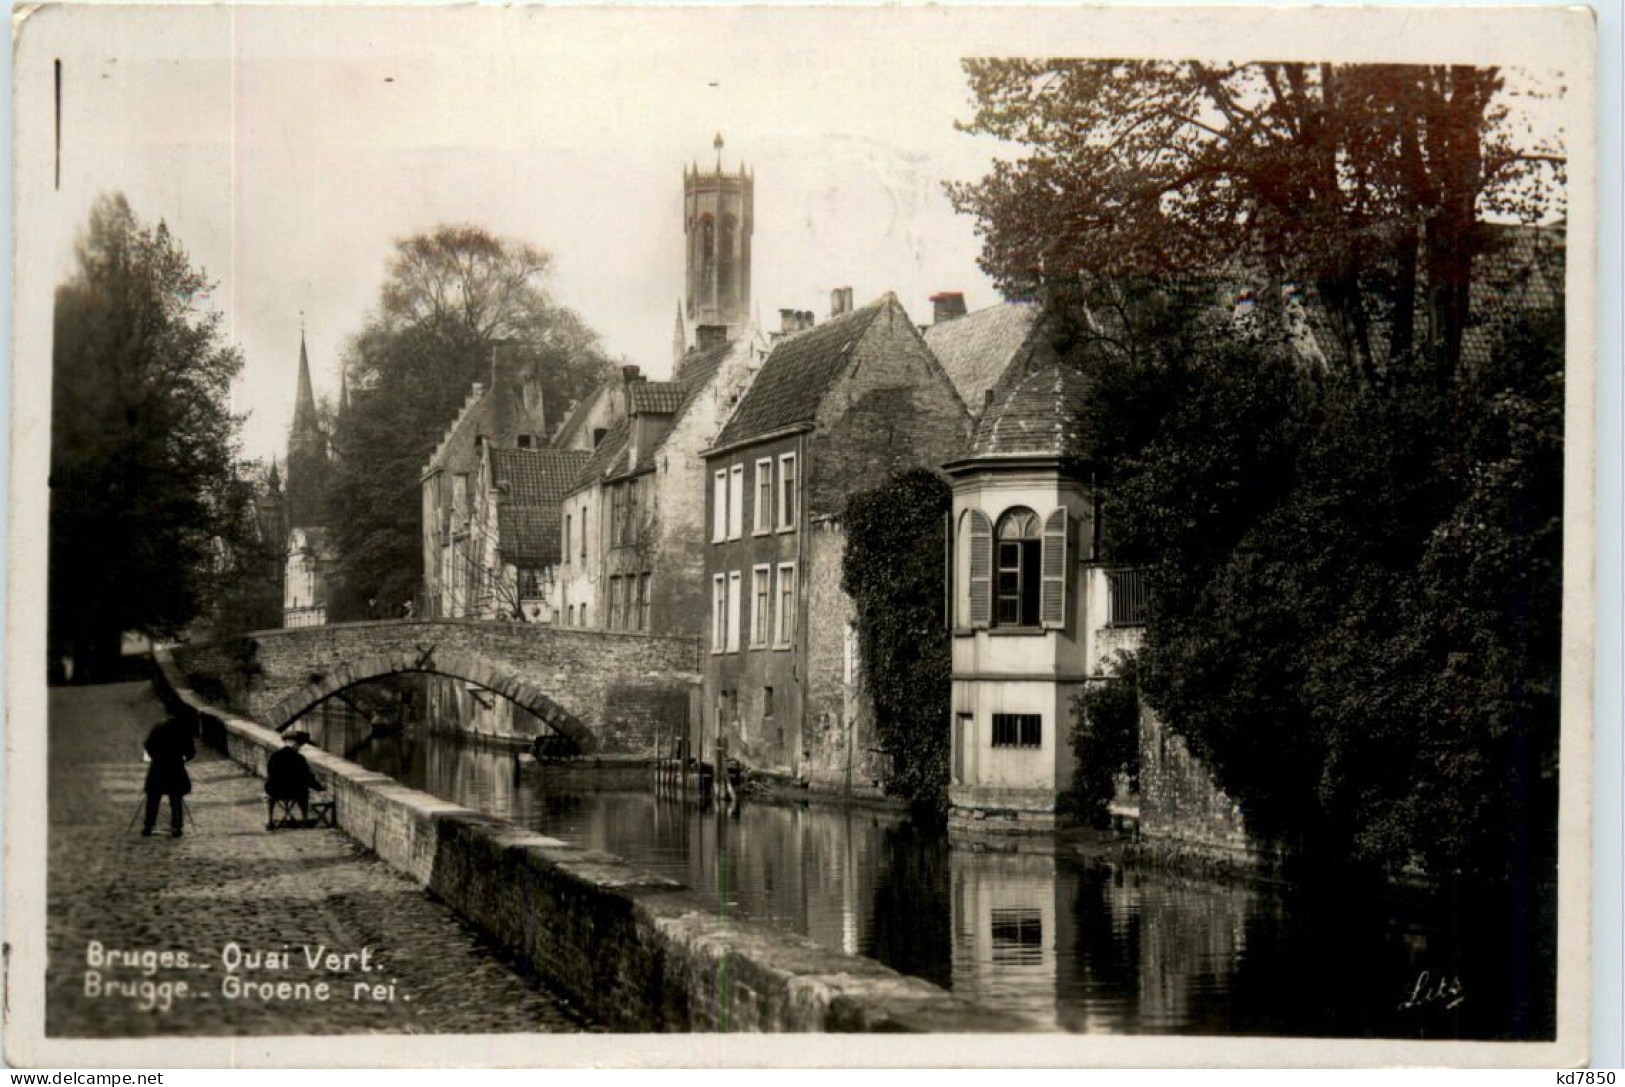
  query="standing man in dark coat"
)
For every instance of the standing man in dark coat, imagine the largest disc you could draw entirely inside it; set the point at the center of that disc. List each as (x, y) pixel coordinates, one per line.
(169, 748)
(289, 777)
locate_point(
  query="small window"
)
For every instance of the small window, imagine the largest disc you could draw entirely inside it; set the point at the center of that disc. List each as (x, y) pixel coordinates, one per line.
(787, 491)
(1018, 730)
(643, 601)
(767, 701)
(719, 613)
(761, 605)
(524, 441)
(719, 506)
(568, 536)
(736, 502)
(762, 522)
(786, 631)
(1017, 557)
(1018, 936)
(583, 541)
(734, 603)
(584, 620)
(572, 613)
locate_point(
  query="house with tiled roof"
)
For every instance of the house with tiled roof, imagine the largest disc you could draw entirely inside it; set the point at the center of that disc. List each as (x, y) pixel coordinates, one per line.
(630, 552)
(978, 349)
(516, 525)
(508, 413)
(837, 408)
(1037, 616)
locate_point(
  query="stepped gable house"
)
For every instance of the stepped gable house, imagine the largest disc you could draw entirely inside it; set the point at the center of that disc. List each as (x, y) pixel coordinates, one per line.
(509, 414)
(631, 546)
(836, 408)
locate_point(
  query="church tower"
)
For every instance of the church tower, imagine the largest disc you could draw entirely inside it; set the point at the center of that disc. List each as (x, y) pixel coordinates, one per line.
(307, 453)
(719, 215)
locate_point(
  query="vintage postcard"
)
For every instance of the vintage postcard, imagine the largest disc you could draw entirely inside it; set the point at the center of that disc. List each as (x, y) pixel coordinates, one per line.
(548, 536)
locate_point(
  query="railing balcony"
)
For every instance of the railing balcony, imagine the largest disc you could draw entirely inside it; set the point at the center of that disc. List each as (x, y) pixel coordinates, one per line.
(1129, 597)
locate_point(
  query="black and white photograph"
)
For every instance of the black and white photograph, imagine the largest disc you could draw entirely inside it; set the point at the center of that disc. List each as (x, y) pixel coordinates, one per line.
(535, 531)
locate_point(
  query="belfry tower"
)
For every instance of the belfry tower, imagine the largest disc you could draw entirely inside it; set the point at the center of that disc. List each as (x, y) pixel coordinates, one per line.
(719, 215)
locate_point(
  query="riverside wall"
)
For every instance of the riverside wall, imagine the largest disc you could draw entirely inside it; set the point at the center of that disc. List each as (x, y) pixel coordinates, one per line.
(639, 952)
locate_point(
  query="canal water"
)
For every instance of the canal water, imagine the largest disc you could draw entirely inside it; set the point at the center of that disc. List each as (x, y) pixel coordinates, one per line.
(1080, 945)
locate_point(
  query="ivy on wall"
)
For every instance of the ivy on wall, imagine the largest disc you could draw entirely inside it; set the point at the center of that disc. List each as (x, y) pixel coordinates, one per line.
(1105, 741)
(894, 572)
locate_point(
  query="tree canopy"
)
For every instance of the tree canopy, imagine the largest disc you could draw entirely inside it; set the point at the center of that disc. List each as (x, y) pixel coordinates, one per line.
(1354, 556)
(1365, 183)
(146, 496)
(449, 297)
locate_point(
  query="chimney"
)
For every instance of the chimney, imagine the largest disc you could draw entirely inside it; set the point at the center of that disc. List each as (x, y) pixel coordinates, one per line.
(946, 305)
(840, 301)
(787, 321)
(709, 336)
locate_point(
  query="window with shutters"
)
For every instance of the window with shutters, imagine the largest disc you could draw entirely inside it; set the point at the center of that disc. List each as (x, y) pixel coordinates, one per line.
(1052, 594)
(978, 551)
(1017, 552)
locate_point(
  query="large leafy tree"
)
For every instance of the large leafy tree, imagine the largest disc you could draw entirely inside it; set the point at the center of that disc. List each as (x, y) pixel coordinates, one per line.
(1348, 502)
(1365, 183)
(145, 493)
(449, 297)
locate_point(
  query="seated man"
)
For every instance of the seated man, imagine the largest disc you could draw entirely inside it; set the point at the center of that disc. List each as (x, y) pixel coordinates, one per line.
(288, 777)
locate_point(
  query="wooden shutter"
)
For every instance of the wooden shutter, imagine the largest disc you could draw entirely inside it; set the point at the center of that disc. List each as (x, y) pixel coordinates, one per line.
(1052, 597)
(981, 569)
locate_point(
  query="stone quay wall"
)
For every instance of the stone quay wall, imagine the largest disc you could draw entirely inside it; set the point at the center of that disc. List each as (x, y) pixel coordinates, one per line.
(639, 952)
(616, 691)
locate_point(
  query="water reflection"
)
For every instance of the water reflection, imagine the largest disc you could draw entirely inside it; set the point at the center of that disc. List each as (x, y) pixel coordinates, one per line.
(1083, 947)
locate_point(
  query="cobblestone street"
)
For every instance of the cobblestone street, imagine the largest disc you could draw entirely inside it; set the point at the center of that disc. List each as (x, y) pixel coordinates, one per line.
(246, 907)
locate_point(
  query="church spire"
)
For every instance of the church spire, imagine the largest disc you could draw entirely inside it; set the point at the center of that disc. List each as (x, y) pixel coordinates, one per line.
(304, 405)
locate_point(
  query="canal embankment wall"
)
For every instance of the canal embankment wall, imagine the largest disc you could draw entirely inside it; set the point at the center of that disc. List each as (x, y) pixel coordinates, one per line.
(635, 950)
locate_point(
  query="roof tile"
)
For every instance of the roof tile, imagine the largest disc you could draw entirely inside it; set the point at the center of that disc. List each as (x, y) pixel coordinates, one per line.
(797, 374)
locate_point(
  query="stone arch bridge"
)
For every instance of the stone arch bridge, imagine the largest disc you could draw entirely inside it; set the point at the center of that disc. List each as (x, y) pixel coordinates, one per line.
(606, 690)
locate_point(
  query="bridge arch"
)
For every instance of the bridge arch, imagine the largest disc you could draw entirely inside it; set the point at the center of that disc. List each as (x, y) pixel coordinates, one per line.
(322, 686)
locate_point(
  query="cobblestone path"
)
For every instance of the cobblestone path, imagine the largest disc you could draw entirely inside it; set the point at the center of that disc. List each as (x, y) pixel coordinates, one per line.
(228, 884)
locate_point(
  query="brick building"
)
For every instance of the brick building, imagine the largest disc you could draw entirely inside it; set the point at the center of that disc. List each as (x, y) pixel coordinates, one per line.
(508, 414)
(631, 546)
(516, 525)
(836, 408)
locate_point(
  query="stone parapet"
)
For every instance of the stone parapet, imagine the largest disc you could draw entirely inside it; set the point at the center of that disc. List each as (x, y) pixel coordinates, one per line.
(638, 951)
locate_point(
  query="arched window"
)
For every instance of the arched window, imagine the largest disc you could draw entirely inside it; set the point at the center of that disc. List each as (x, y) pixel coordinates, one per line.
(1018, 553)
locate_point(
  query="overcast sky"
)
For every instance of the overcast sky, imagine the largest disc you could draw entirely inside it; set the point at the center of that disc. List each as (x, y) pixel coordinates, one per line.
(288, 149)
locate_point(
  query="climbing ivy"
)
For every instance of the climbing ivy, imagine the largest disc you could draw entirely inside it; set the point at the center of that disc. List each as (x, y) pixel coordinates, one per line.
(894, 572)
(1105, 741)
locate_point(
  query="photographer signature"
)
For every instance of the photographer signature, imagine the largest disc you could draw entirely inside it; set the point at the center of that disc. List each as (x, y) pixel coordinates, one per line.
(1444, 993)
